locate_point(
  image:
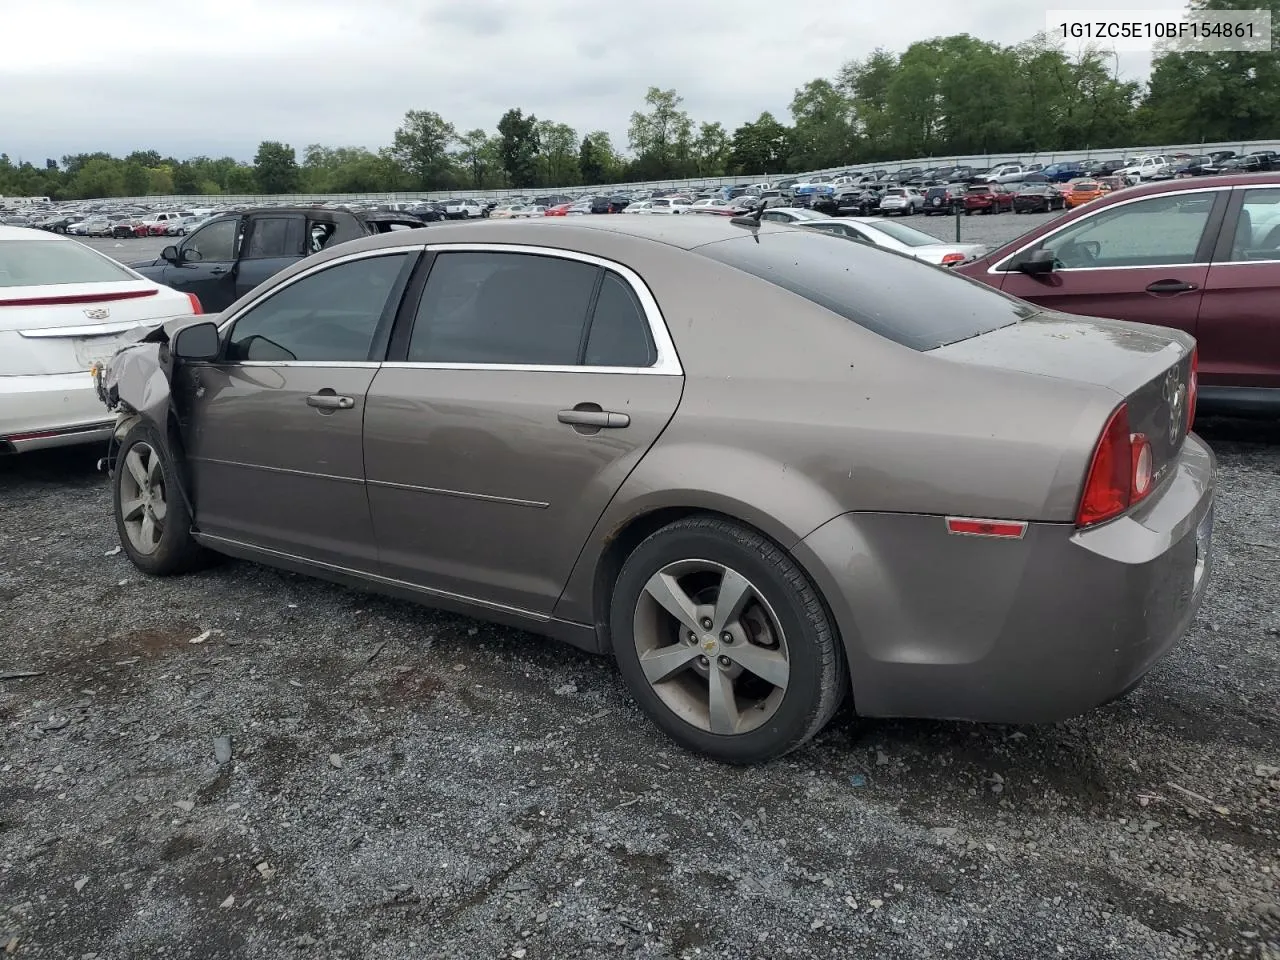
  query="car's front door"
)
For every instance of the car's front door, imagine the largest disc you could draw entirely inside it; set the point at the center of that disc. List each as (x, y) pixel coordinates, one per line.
(1239, 328)
(271, 243)
(274, 429)
(1146, 260)
(206, 263)
(516, 399)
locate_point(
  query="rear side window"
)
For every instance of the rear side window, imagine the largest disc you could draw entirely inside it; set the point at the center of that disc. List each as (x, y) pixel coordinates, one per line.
(619, 334)
(866, 285)
(507, 308)
(31, 263)
(275, 237)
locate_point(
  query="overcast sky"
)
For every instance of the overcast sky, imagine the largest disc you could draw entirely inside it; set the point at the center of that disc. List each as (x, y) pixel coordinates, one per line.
(189, 78)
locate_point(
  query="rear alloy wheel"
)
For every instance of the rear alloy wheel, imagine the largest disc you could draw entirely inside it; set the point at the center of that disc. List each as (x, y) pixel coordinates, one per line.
(724, 643)
(151, 514)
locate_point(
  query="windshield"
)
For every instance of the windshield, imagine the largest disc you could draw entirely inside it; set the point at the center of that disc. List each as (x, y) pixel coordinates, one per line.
(27, 263)
(864, 284)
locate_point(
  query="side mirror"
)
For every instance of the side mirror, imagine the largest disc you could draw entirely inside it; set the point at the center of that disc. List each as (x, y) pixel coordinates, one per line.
(170, 253)
(200, 341)
(1037, 263)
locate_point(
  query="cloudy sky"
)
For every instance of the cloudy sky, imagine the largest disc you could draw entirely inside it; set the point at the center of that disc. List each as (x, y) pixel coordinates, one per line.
(188, 77)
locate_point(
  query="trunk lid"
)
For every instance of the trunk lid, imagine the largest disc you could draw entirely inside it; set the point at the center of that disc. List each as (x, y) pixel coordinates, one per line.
(67, 328)
(1147, 367)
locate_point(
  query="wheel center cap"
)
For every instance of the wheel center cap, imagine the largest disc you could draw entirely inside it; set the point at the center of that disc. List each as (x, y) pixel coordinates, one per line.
(709, 644)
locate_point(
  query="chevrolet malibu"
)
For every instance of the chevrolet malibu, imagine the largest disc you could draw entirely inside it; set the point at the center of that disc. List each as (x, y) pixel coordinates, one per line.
(732, 455)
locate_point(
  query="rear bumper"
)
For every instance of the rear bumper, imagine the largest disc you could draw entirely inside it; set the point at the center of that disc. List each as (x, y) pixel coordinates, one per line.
(51, 411)
(1014, 631)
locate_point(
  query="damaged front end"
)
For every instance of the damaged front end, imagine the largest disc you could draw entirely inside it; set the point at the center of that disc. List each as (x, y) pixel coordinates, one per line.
(135, 384)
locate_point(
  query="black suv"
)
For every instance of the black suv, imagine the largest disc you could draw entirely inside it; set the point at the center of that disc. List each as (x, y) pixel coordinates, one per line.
(230, 255)
(944, 199)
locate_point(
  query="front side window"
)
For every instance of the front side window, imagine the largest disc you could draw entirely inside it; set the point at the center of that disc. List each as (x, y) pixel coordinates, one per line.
(1163, 230)
(216, 242)
(329, 316)
(1257, 234)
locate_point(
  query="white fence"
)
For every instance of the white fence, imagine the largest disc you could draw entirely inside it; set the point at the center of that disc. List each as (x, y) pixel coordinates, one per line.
(985, 160)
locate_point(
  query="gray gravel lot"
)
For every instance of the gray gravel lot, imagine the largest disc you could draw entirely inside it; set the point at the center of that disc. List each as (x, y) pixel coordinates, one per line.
(408, 784)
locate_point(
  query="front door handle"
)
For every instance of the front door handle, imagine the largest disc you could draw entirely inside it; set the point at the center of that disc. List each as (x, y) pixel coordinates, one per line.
(329, 401)
(594, 418)
(1170, 286)
(217, 271)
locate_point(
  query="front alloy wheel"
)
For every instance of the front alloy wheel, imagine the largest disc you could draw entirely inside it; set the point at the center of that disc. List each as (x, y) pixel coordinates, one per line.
(143, 504)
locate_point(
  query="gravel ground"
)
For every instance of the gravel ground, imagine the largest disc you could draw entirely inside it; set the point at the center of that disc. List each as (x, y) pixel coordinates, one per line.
(332, 774)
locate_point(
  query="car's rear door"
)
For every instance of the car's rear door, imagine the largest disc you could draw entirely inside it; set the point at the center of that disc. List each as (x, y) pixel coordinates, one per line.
(274, 429)
(1144, 260)
(271, 243)
(522, 387)
(1239, 326)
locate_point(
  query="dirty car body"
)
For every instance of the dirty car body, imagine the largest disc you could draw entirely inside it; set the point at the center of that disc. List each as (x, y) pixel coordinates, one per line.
(613, 430)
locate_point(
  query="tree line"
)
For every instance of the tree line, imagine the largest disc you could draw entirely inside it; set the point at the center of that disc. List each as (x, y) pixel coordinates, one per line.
(947, 96)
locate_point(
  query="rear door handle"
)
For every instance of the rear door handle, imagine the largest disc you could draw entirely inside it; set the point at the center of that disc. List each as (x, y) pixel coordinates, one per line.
(329, 401)
(594, 418)
(1171, 286)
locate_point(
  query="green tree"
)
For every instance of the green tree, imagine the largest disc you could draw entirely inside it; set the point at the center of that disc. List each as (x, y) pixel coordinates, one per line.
(422, 145)
(474, 156)
(276, 168)
(137, 183)
(759, 147)
(101, 176)
(1208, 97)
(558, 154)
(519, 147)
(711, 150)
(185, 180)
(662, 135)
(822, 131)
(866, 84)
(598, 162)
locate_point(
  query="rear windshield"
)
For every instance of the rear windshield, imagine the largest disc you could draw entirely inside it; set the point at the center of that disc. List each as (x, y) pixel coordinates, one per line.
(902, 299)
(28, 263)
(1085, 185)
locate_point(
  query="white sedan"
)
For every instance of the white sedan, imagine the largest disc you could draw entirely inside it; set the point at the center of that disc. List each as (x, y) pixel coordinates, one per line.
(63, 308)
(899, 237)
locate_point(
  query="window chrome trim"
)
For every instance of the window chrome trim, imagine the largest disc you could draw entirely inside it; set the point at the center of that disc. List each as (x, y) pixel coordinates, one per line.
(994, 268)
(348, 258)
(667, 364)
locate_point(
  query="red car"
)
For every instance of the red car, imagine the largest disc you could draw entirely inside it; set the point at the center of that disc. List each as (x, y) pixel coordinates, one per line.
(1199, 256)
(987, 198)
(559, 210)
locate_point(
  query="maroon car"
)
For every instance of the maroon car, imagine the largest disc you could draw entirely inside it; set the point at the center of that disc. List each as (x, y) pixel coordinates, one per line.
(1198, 256)
(987, 198)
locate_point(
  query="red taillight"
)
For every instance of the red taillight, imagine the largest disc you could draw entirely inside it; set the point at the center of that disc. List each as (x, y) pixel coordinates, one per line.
(950, 258)
(77, 298)
(1193, 387)
(196, 308)
(1120, 474)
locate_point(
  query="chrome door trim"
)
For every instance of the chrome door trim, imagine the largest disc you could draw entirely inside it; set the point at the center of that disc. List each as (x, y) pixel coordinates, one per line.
(213, 540)
(1093, 213)
(285, 470)
(465, 495)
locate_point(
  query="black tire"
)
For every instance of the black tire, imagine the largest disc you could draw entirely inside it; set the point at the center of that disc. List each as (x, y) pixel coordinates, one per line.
(176, 551)
(818, 678)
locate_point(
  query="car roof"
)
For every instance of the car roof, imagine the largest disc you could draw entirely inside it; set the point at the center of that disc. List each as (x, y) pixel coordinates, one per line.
(585, 234)
(30, 233)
